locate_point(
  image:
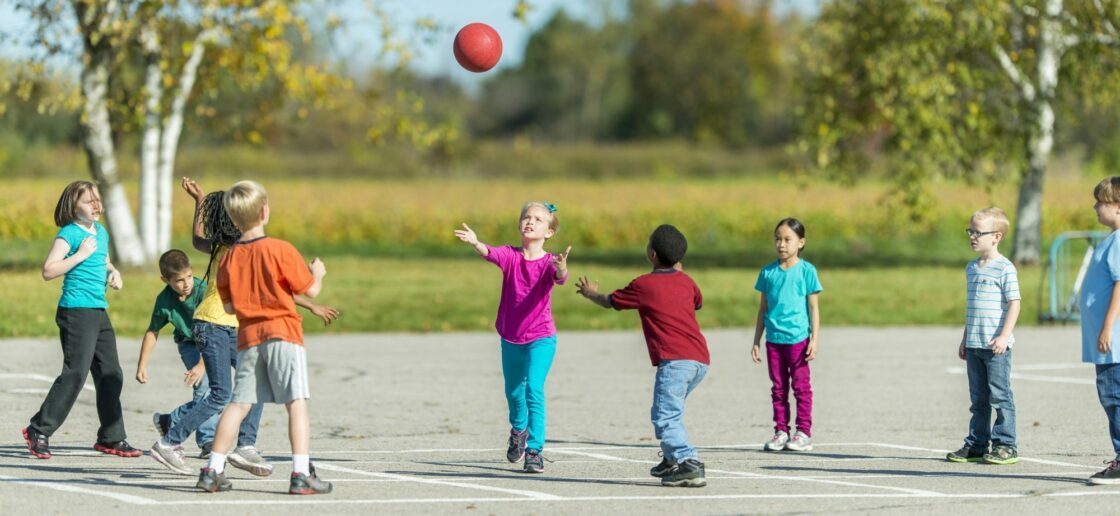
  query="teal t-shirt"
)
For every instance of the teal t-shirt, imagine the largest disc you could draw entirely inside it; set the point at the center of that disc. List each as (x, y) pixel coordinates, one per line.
(84, 285)
(787, 300)
(169, 309)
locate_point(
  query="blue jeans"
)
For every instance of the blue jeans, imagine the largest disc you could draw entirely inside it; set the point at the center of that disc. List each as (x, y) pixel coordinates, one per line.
(525, 367)
(188, 353)
(675, 381)
(1108, 391)
(989, 387)
(217, 345)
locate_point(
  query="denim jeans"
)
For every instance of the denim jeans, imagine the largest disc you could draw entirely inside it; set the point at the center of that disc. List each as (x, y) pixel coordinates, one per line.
(217, 345)
(525, 367)
(1108, 391)
(675, 381)
(188, 353)
(989, 387)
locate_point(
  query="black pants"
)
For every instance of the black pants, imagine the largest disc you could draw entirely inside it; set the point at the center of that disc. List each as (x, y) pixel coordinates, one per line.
(89, 345)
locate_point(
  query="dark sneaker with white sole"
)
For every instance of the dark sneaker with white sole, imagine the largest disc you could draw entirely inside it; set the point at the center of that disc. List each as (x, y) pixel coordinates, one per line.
(1002, 455)
(205, 449)
(1110, 475)
(309, 484)
(689, 473)
(966, 454)
(119, 448)
(534, 462)
(212, 481)
(37, 444)
(516, 448)
(662, 469)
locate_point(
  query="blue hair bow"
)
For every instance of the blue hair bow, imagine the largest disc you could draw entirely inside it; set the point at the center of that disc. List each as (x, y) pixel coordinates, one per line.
(551, 207)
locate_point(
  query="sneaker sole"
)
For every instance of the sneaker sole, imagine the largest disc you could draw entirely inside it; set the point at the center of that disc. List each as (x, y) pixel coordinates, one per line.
(767, 447)
(806, 448)
(309, 491)
(688, 482)
(212, 489)
(109, 451)
(1104, 481)
(533, 470)
(513, 460)
(156, 456)
(962, 460)
(1001, 462)
(256, 469)
(37, 455)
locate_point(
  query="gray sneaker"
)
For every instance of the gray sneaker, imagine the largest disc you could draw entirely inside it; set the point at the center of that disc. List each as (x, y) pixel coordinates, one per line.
(1108, 476)
(170, 456)
(248, 459)
(778, 442)
(800, 442)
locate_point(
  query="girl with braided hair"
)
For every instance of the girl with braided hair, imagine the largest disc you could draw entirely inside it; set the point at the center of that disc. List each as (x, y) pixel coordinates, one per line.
(215, 334)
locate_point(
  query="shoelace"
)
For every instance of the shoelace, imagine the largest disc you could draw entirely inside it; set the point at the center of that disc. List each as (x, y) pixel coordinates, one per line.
(541, 455)
(1112, 466)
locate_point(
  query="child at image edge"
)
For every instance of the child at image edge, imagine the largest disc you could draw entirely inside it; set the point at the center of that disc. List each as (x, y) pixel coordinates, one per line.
(257, 280)
(80, 253)
(525, 324)
(1100, 306)
(789, 311)
(993, 308)
(667, 300)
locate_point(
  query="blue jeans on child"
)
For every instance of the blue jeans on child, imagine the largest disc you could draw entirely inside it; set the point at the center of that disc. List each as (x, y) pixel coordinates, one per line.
(675, 381)
(188, 353)
(989, 387)
(1108, 391)
(525, 367)
(217, 345)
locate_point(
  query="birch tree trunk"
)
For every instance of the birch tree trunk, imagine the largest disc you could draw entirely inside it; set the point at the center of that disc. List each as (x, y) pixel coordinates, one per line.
(96, 133)
(150, 143)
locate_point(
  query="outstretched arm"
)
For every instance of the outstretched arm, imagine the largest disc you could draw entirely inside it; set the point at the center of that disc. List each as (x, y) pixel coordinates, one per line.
(198, 239)
(590, 290)
(326, 313)
(560, 262)
(467, 235)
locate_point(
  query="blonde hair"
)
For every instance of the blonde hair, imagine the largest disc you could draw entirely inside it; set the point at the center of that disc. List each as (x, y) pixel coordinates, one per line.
(1108, 190)
(66, 211)
(243, 202)
(997, 216)
(553, 222)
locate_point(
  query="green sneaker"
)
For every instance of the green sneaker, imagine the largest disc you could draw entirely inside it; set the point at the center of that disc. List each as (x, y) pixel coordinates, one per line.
(1002, 455)
(966, 454)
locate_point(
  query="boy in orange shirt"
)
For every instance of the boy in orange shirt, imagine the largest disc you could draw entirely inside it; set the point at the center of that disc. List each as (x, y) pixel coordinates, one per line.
(257, 280)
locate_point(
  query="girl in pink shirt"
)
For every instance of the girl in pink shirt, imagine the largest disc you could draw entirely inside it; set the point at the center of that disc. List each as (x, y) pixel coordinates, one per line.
(525, 324)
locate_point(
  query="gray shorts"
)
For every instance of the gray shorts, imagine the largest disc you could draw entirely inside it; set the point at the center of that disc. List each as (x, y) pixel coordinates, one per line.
(272, 372)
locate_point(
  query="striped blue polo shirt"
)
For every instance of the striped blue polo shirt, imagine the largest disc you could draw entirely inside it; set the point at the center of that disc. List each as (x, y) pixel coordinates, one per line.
(990, 288)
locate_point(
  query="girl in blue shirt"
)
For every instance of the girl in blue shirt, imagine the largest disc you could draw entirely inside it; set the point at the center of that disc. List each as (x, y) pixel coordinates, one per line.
(80, 253)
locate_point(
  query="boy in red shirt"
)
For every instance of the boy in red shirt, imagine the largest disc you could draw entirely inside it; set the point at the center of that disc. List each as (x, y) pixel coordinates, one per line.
(667, 300)
(257, 280)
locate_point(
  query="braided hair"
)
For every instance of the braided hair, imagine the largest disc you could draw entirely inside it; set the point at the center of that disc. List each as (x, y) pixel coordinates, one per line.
(217, 227)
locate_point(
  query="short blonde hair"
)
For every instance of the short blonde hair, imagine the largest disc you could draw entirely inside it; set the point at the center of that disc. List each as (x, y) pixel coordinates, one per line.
(997, 216)
(243, 203)
(554, 221)
(1108, 190)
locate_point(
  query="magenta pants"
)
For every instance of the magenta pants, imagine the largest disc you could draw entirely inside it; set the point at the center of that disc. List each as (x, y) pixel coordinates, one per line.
(788, 367)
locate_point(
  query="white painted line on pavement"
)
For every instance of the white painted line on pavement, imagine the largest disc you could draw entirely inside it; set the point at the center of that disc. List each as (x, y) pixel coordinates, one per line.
(939, 450)
(70, 488)
(37, 377)
(537, 495)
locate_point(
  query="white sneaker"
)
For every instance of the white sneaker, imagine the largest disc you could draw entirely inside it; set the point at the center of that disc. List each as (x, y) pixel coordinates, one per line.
(778, 442)
(170, 456)
(247, 458)
(800, 442)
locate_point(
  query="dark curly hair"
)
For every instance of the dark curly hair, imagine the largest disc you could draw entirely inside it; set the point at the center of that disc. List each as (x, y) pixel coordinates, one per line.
(669, 244)
(217, 227)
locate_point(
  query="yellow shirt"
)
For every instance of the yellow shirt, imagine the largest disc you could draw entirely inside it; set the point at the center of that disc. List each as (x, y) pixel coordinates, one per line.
(210, 309)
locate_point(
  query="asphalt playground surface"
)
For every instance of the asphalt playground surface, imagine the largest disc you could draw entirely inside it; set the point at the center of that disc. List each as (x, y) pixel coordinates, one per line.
(417, 424)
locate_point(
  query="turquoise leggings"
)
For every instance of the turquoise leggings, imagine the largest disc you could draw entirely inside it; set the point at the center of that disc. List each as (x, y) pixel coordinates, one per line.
(525, 367)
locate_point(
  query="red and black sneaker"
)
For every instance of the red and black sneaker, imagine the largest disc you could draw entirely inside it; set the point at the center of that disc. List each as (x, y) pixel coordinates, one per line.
(37, 444)
(119, 448)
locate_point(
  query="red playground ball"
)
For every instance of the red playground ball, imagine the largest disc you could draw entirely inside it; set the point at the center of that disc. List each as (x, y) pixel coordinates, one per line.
(478, 47)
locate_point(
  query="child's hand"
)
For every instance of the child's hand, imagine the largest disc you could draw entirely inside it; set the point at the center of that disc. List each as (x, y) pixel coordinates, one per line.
(586, 287)
(142, 374)
(560, 261)
(998, 344)
(811, 349)
(467, 235)
(326, 313)
(193, 376)
(960, 352)
(192, 189)
(115, 280)
(755, 353)
(318, 270)
(87, 247)
(1104, 342)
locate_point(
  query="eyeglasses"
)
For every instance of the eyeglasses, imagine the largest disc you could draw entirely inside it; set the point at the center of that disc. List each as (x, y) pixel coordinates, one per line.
(973, 233)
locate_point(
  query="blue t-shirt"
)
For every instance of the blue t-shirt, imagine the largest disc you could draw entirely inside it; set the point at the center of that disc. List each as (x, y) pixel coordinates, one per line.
(787, 300)
(991, 289)
(84, 285)
(169, 309)
(1096, 295)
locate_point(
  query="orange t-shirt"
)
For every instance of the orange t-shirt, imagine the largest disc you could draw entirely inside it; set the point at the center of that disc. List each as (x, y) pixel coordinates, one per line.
(259, 278)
